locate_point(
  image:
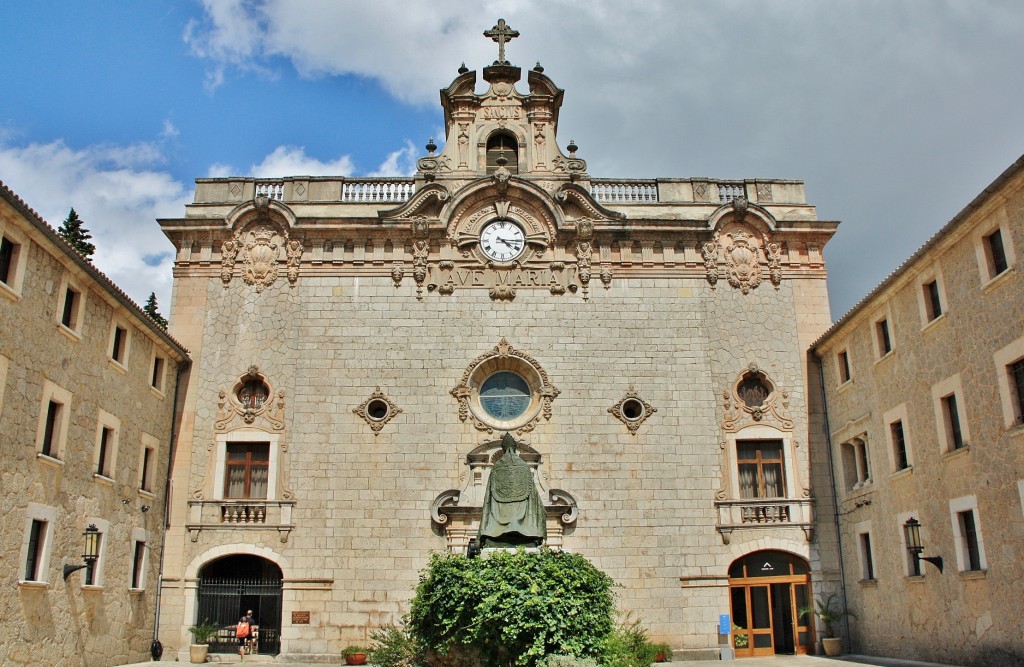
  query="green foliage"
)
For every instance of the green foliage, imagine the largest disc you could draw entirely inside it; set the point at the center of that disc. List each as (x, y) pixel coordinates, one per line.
(151, 310)
(627, 646)
(511, 608)
(77, 236)
(830, 611)
(664, 649)
(393, 647)
(201, 632)
(353, 649)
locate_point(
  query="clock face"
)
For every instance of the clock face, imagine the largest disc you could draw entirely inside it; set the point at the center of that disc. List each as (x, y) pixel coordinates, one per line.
(502, 240)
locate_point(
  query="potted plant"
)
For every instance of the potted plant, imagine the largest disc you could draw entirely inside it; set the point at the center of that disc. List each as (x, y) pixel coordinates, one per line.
(354, 655)
(830, 612)
(662, 652)
(200, 647)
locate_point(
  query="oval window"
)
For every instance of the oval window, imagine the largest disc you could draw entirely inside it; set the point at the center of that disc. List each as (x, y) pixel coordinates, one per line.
(505, 396)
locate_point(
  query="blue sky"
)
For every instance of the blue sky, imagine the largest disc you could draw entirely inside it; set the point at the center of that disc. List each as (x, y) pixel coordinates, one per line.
(895, 113)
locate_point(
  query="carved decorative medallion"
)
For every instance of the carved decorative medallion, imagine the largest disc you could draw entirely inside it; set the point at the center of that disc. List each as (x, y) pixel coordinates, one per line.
(377, 410)
(710, 252)
(743, 267)
(773, 253)
(632, 410)
(250, 402)
(260, 246)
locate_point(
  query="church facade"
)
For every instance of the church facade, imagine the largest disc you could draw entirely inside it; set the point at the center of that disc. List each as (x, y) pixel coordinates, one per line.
(360, 347)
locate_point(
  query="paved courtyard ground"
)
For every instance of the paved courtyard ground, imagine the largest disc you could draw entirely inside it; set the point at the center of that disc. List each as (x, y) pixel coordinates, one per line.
(777, 661)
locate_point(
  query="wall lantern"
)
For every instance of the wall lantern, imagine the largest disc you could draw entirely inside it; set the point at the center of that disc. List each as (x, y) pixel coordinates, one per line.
(912, 531)
(91, 553)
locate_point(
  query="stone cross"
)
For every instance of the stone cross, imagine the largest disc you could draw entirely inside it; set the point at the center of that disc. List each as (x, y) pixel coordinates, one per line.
(501, 33)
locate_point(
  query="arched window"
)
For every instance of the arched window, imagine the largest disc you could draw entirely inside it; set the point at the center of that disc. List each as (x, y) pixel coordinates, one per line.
(502, 144)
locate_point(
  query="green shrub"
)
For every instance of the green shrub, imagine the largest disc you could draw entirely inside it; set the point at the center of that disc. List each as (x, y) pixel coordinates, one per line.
(511, 608)
(393, 647)
(628, 646)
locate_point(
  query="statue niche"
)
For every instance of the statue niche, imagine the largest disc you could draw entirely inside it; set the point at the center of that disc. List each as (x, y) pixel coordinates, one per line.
(513, 514)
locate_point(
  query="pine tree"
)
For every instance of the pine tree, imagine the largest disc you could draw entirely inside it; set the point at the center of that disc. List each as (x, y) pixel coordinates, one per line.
(74, 232)
(151, 310)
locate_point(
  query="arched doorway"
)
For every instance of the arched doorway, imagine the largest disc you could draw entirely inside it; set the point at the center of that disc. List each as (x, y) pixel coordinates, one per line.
(232, 585)
(766, 591)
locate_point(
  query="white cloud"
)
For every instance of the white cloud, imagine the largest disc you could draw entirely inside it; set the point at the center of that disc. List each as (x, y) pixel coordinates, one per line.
(118, 195)
(293, 161)
(399, 163)
(169, 130)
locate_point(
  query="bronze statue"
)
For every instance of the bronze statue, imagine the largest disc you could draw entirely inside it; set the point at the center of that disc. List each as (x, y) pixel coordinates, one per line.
(513, 514)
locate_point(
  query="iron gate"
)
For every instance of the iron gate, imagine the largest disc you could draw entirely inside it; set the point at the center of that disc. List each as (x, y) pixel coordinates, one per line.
(223, 600)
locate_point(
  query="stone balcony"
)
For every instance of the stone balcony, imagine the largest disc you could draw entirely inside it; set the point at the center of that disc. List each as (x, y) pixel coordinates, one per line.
(238, 515)
(760, 513)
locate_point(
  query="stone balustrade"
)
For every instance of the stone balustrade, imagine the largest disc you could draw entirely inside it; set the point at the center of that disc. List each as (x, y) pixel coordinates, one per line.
(763, 513)
(240, 515)
(394, 190)
(631, 191)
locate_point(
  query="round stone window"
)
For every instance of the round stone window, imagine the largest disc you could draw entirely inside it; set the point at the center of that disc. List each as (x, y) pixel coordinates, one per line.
(505, 396)
(377, 409)
(632, 409)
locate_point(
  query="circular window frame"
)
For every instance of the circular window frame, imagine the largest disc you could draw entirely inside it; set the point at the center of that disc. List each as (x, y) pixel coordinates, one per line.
(370, 409)
(630, 402)
(492, 366)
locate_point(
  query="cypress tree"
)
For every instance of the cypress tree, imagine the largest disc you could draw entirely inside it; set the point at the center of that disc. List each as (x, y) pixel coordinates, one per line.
(151, 310)
(74, 232)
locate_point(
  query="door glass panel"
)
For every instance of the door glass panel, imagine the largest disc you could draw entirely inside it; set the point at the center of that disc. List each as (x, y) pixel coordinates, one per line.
(760, 613)
(762, 641)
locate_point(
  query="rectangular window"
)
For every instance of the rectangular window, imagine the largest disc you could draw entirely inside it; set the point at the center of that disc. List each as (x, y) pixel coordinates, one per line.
(933, 304)
(69, 317)
(856, 469)
(8, 255)
(146, 473)
(760, 469)
(1016, 373)
(951, 416)
(157, 379)
(50, 430)
(969, 536)
(884, 342)
(899, 445)
(844, 367)
(867, 563)
(34, 558)
(247, 470)
(138, 565)
(120, 339)
(995, 253)
(106, 442)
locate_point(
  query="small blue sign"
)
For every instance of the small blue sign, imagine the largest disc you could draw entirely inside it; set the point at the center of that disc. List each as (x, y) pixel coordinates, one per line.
(724, 627)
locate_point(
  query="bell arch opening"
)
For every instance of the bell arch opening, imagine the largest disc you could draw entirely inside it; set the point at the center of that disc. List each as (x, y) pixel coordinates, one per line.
(502, 144)
(230, 587)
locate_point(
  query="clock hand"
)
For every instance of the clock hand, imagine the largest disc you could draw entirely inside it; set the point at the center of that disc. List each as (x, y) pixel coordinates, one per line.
(514, 244)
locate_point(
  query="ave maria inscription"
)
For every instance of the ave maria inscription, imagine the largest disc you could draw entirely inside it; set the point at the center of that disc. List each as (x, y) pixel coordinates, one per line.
(557, 278)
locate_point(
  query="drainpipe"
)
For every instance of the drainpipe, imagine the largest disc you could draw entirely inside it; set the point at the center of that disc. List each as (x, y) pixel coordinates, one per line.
(835, 491)
(156, 649)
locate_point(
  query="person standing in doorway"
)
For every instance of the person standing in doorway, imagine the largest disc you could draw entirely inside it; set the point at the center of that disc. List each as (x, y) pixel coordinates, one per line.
(242, 634)
(254, 633)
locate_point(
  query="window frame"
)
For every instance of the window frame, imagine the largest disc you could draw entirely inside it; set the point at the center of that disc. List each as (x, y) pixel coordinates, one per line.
(57, 438)
(759, 463)
(856, 460)
(985, 253)
(950, 388)
(147, 474)
(250, 463)
(890, 418)
(76, 318)
(119, 344)
(158, 372)
(843, 368)
(1011, 396)
(106, 422)
(48, 516)
(961, 542)
(866, 552)
(220, 464)
(926, 298)
(12, 287)
(884, 345)
(139, 566)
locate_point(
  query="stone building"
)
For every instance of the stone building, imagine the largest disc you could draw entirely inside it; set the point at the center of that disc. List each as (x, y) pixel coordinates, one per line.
(87, 387)
(361, 345)
(924, 383)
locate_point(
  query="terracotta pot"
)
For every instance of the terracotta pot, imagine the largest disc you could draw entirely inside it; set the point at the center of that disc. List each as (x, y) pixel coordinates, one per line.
(197, 653)
(355, 658)
(660, 657)
(833, 645)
